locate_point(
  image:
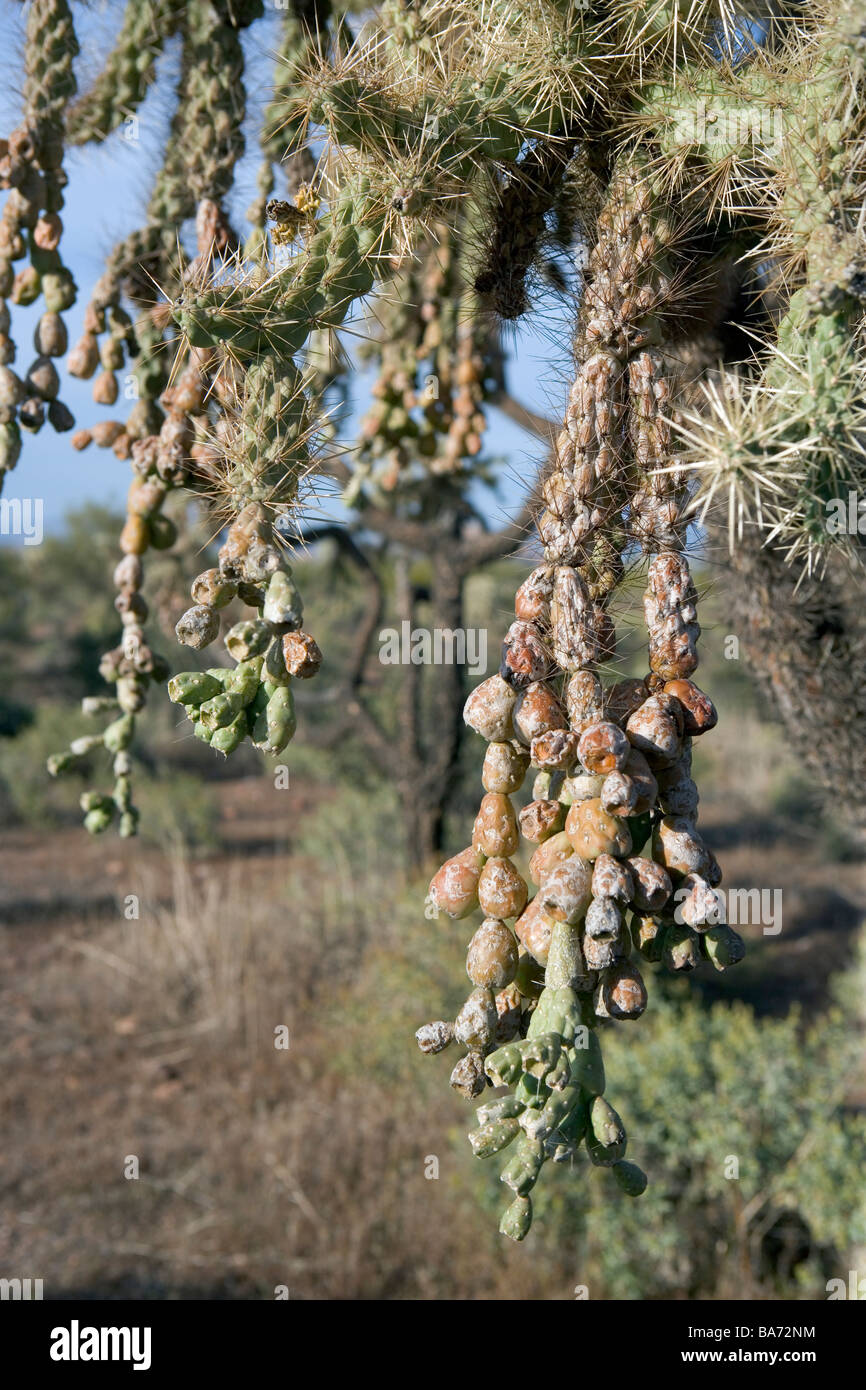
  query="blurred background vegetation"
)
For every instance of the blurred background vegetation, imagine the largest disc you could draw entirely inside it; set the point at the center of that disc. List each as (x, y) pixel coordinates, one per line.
(150, 1031)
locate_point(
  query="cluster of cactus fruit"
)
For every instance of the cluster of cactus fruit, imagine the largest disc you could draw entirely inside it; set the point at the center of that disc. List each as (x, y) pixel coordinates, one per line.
(619, 867)
(447, 156)
(254, 699)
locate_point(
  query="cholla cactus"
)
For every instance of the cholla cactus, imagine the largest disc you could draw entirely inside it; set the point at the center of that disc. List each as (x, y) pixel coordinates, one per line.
(442, 160)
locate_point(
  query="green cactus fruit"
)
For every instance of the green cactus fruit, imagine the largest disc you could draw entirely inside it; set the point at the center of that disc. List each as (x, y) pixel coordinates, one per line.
(556, 1109)
(230, 736)
(276, 726)
(58, 763)
(245, 680)
(606, 1137)
(504, 1065)
(540, 1054)
(558, 1011)
(221, 710)
(248, 638)
(193, 687)
(565, 964)
(504, 1108)
(680, 950)
(723, 946)
(567, 1137)
(531, 1092)
(641, 829)
(630, 1178)
(88, 743)
(492, 1137)
(274, 668)
(587, 1063)
(95, 801)
(98, 820)
(161, 531)
(530, 977)
(119, 734)
(122, 794)
(522, 1170)
(517, 1219)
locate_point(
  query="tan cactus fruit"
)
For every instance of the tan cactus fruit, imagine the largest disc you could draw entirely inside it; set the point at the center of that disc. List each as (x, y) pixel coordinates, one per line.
(534, 929)
(549, 853)
(84, 357)
(475, 1025)
(603, 748)
(454, 889)
(581, 633)
(145, 497)
(135, 536)
(541, 819)
(435, 1037)
(525, 658)
(611, 878)
(508, 1007)
(468, 1076)
(637, 770)
(584, 700)
(656, 730)
(128, 574)
(593, 832)
(489, 710)
(501, 890)
(619, 795)
(555, 750)
(678, 846)
(671, 617)
(495, 831)
(504, 768)
(491, 961)
(532, 601)
(537, 711)
(211, 589)
(624, 991)
(699, 712)
(301, 654)
(652, 884)
(565, 891)
(105, 389)
(604, 940)
(198, 627)
(699, 905)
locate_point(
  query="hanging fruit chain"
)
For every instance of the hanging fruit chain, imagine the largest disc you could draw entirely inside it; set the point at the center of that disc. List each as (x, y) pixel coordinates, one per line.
(614, 805)
(31, 167)
(430, 324)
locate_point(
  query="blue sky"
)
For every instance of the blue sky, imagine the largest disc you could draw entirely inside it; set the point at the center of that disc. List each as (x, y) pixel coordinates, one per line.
(106, 198)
